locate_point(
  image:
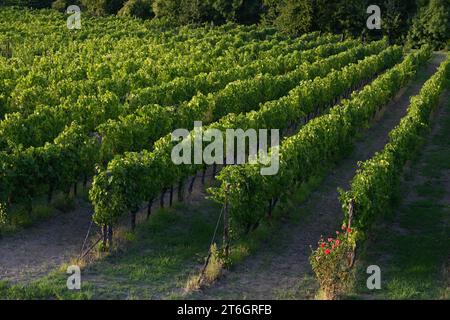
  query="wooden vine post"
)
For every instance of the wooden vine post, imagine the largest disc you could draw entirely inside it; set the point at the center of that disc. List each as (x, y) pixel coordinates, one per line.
(226, 226)
(203, 176)
(161, 199)
(149, 208)
(50, 194)
(272, 203)
(133, 219)
(351, 212)
(110, 235)
(105, 235)
(181, 190)
(214, 170)
(191, 185)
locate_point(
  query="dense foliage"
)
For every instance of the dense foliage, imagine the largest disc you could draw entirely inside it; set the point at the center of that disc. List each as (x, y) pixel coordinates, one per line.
(431, 25)
(293, 17)
(217, 11)
(135, 177)
(137, 8)
(316, 145)
(53, 98)
(215, 98)
(36, 4)
(101, 7)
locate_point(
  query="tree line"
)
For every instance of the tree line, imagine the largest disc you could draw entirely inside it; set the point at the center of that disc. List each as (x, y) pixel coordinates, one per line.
(414, 22)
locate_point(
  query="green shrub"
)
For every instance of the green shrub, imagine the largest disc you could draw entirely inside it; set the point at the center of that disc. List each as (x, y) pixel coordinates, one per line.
(295, 17)
(102, 7)
(431, 25)
(35, 4)
(301, 16)
(60, 5)
(137, 8)
(217, 11)
(245, 11)
(182, 11)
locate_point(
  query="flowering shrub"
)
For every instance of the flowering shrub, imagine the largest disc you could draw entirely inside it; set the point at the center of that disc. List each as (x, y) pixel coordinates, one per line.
(331, 261)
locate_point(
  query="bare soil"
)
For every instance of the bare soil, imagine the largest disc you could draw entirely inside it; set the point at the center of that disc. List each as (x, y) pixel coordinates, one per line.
(33, 252)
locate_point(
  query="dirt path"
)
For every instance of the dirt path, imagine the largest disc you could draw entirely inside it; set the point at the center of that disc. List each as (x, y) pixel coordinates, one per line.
(35, 251)
(281, 269)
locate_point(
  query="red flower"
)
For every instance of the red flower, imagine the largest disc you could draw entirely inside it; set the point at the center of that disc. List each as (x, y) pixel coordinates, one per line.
(343, 227)
(322, 244)
(330, 239)
(337, 242)
(327, 252)
(349, 230)
(337, 232)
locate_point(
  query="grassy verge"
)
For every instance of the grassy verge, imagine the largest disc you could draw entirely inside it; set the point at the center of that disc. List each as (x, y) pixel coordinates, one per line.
(157, 258)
